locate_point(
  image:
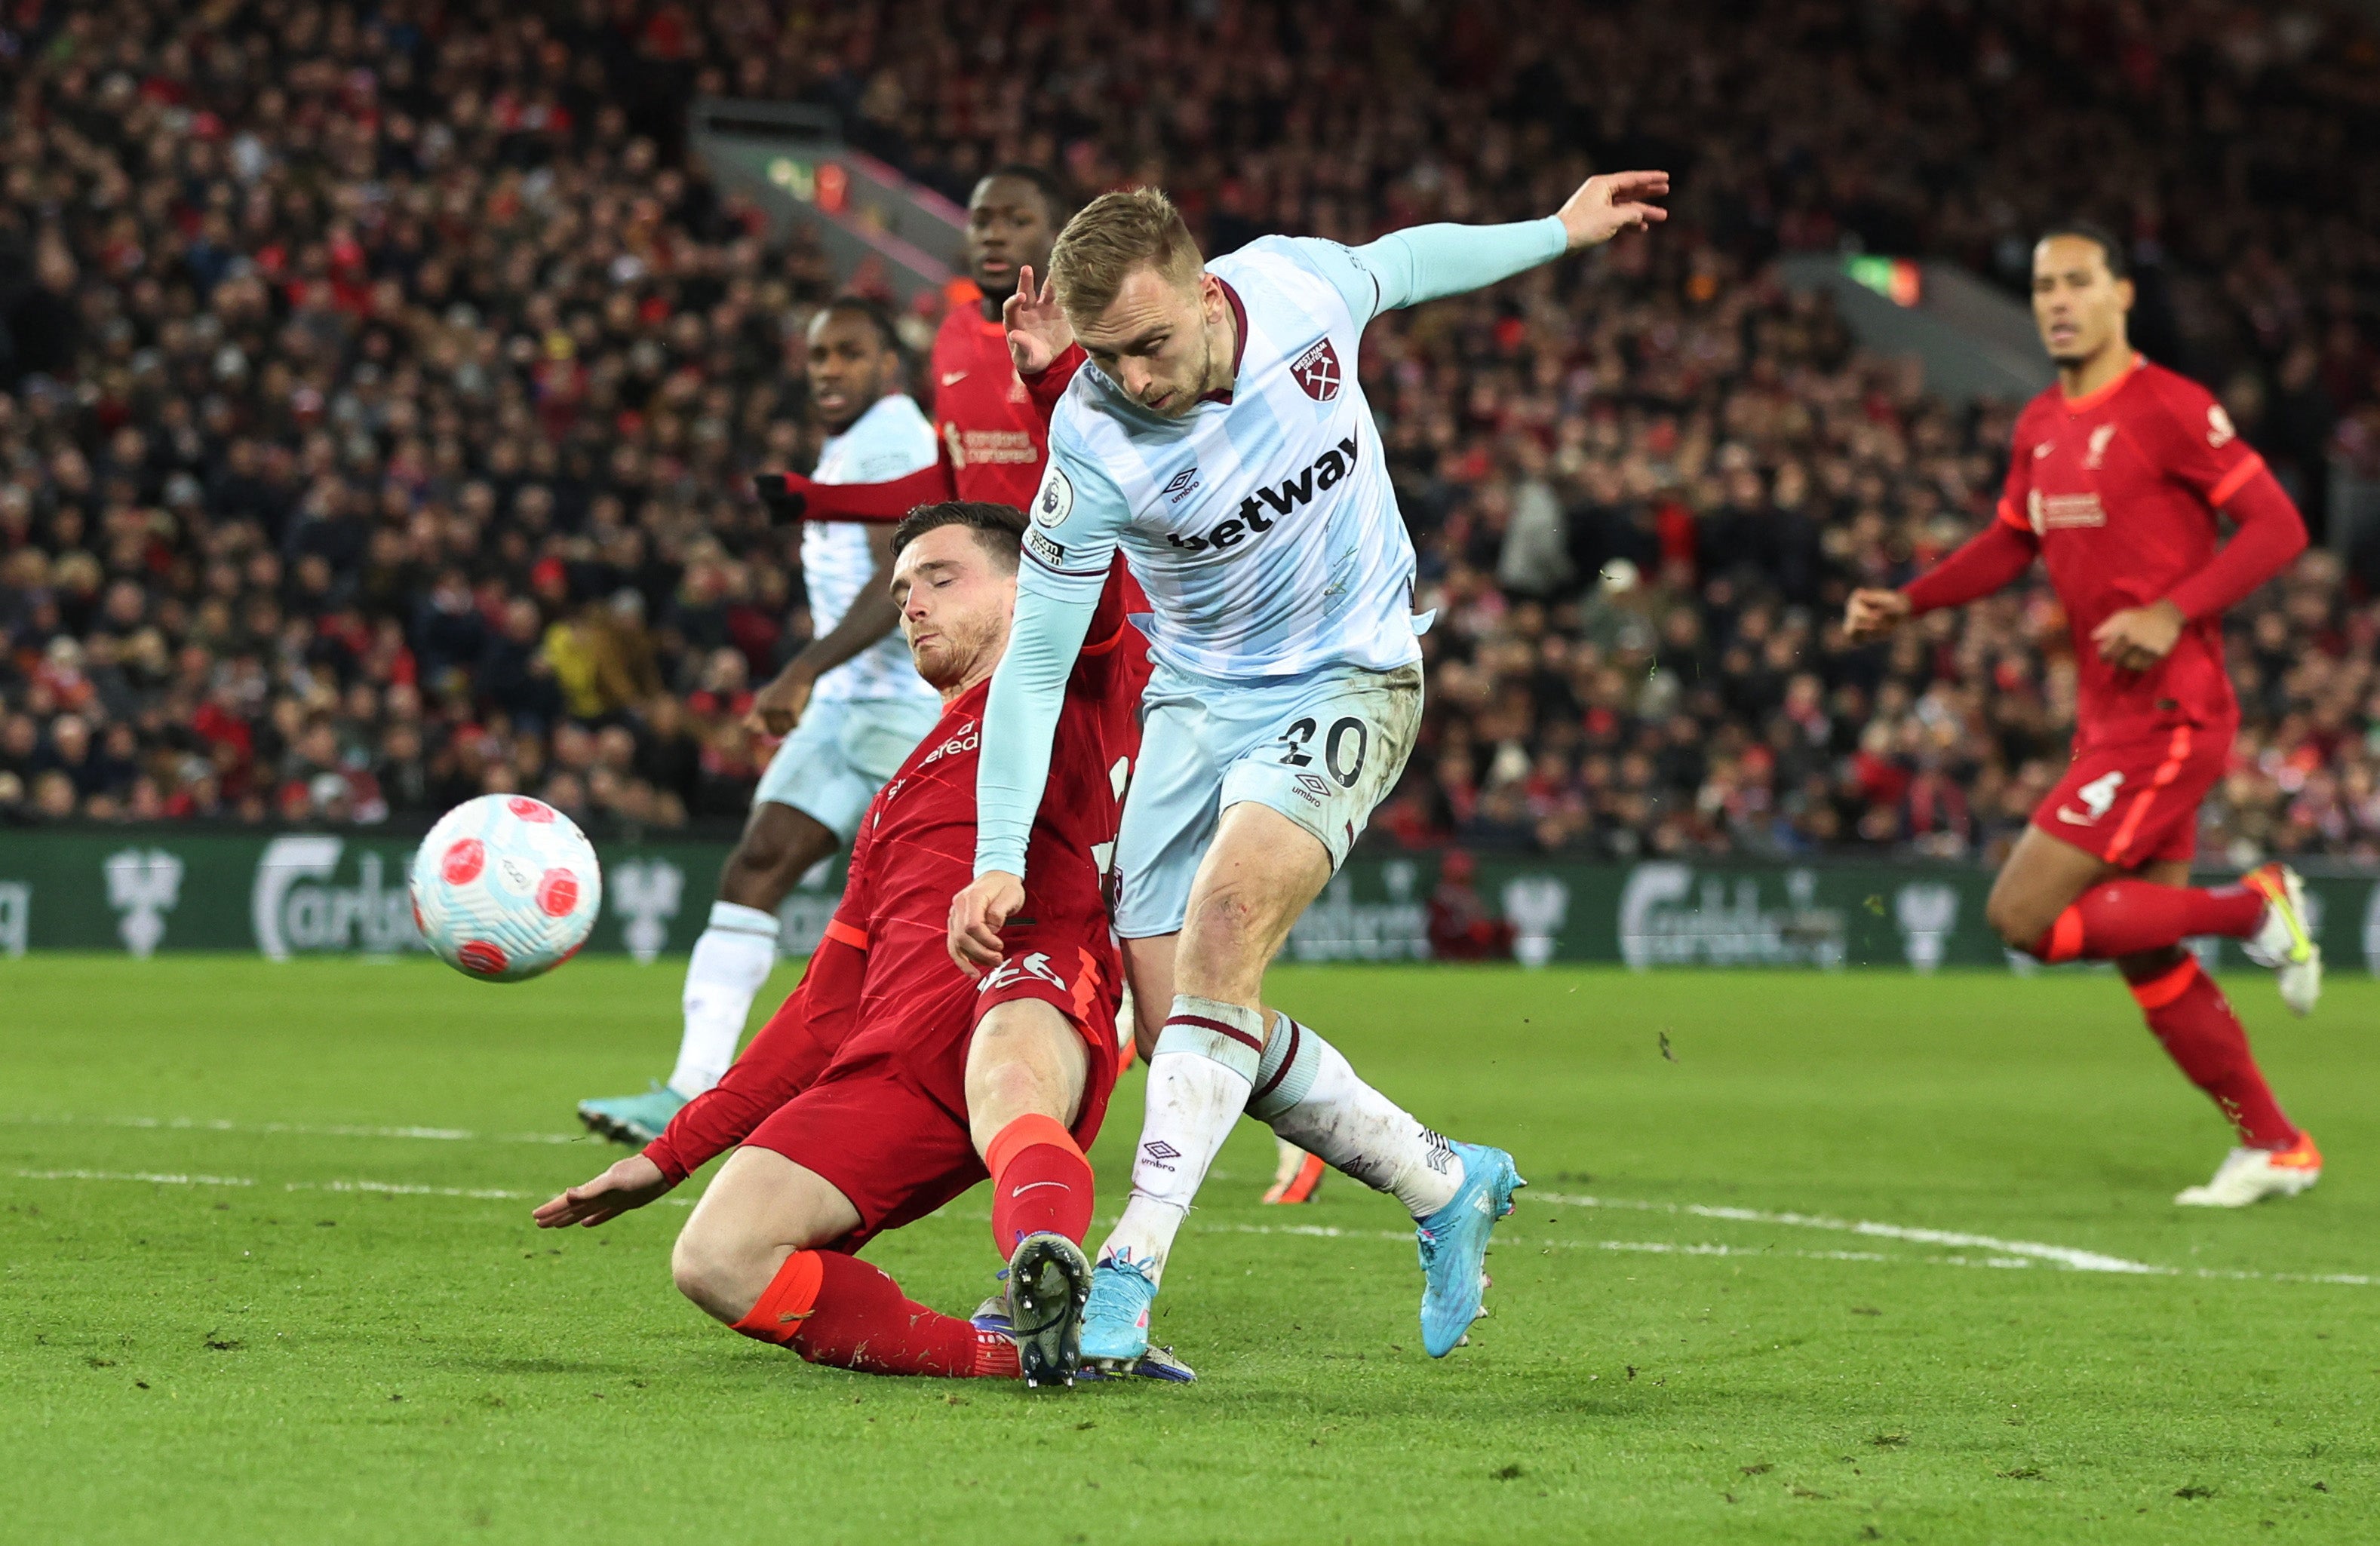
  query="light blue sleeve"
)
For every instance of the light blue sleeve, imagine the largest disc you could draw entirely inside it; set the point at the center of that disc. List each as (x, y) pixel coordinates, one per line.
(1424, 262)
(1077, 515)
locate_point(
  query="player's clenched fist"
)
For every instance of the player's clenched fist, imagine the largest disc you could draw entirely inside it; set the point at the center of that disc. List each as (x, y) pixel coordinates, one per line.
(1605, 206)
(1873, 613)
(630, 1183)
(977, 914)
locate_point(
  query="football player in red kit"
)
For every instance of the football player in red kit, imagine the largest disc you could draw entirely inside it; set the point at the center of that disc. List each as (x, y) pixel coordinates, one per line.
(2114, 481)
(890, 1082)
(992, 408)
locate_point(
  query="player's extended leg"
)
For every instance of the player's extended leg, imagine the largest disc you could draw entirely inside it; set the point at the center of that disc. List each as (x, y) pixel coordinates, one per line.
(2059, 902)
(1255, 877)
(731, 960)
(1149, 966)
(1254, 880)
(2192, 1021)
(1025, 1072)
(749, 1256)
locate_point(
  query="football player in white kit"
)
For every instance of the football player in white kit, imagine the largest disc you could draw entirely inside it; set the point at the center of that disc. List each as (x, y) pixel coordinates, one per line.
(852, 701)
(1223, 442)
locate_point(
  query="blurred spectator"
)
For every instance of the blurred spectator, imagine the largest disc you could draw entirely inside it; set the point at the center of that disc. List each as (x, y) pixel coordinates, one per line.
(1461, 927)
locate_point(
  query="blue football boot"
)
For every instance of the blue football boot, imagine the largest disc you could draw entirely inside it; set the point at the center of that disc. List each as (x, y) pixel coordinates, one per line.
(1115, 1322)
(1454, 1245)
(637, 1120)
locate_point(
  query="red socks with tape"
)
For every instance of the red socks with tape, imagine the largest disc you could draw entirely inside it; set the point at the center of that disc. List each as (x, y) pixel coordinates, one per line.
(2127, 917)
(838, 1311)
(2190, 1016)
(1040, 1182)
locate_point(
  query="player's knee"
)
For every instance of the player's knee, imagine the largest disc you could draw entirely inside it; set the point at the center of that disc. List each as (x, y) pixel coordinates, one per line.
(707, 1270)
(2019, 927)
(1226, 923)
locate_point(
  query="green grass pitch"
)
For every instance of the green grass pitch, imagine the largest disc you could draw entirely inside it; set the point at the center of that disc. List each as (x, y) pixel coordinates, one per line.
(328, 1328)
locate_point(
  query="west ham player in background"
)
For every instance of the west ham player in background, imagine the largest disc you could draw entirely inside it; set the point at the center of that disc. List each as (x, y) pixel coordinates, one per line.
(2114, 481)
(850, 706)
(890, 1082)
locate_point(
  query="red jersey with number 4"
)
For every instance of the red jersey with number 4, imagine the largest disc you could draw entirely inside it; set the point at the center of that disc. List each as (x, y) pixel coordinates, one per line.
(993, 436)
(2119, 490)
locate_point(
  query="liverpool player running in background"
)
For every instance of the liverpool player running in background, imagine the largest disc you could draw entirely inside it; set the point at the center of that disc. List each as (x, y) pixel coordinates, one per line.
(890, 1083)
(2115, 478)
(849, 705)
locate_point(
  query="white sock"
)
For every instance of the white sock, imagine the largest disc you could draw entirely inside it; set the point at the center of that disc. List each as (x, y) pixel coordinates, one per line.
(1309, 1094)
(734, 956)
(1198, 1084)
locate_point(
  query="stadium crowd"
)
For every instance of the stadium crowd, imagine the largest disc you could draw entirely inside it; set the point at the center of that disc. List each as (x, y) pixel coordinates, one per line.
(379, 388)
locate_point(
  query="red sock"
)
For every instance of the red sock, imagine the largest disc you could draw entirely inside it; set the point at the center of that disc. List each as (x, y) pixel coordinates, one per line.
(838, 1310)
(2129, 917)
(1039, 1182)
(2189, 1014)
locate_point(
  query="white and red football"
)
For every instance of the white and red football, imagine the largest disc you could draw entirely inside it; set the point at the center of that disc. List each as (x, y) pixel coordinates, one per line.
(506, 887)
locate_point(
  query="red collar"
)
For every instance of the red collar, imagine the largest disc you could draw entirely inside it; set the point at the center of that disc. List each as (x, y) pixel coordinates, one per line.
(2091, 400)
(1239, 342)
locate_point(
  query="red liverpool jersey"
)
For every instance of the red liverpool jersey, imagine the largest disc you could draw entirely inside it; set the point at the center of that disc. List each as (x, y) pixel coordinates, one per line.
(2119, 490)
(993, 436)
(916, 848)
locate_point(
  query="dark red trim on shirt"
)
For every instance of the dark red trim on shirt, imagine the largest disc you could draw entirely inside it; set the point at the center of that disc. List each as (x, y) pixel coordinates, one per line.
(1239, 341)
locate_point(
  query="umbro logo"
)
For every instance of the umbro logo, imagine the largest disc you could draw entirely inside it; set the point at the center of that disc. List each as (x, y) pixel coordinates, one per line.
(1182, 485)
(1161, 1153)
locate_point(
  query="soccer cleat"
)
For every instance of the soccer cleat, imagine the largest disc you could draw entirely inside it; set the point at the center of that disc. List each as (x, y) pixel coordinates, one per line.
(1298, 1177)
(2249, 1176)
(2282, 941)
(1049, 1282)
(1115, 1323)
(1158, 1363)
(637, 1120)
(1454, 1245)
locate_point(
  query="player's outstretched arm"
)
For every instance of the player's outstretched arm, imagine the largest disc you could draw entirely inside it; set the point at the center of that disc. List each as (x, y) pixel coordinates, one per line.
(1424, 262)
(629, 1183)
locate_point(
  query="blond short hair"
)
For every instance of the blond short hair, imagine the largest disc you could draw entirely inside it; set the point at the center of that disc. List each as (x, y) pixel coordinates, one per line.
(1113, 236)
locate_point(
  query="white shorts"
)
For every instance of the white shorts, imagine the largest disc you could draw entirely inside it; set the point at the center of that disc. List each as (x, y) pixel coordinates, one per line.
(841, 754)
(1322, 749)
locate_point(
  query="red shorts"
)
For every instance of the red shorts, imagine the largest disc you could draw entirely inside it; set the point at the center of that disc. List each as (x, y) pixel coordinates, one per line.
(888, 1127)
(2135, 801)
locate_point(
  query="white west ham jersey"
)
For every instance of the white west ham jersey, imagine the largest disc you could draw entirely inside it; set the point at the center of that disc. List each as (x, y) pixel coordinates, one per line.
(892, 440)
(1264, 528)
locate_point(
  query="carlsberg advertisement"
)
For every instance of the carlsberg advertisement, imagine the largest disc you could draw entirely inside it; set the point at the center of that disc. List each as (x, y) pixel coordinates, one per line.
(139, 892)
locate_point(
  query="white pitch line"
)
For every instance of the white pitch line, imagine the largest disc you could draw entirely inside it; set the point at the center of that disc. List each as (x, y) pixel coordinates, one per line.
(302, 1129)
(2065, 1256)
(162, 1181)
(392, 1188)
(2015, 1253)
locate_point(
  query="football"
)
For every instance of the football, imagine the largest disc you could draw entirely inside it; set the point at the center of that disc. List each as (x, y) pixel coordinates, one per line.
(506, 887)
